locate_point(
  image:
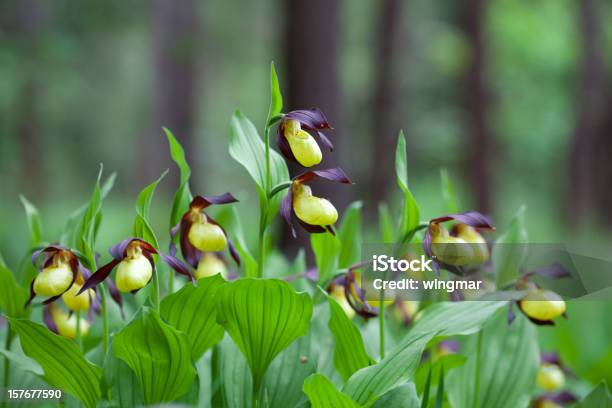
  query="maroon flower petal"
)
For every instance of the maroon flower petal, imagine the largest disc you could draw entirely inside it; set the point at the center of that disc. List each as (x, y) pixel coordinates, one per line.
(233, 252)
(173, 231)
(48, 319)
(205, 201)
(334, 174)
(116, 295)
(190, 253)
(177, 265)
(310, 119)
(286, 210)
(471, 218)
(284, 147)
(118, 251)
(32, 295)
(99, 276)
(325, 141)
(313, 229)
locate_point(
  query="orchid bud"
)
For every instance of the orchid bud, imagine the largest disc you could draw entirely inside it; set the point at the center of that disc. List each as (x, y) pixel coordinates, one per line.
(476, 241)
(54, 279)
(543, 305)
(134, 271)
(207, 236)
(210, 265)
(337, 293)
(550, 377)
(310, 209)
(77, 302)
(406, 310)
(303, 146)
(448, 249)
(67, 324)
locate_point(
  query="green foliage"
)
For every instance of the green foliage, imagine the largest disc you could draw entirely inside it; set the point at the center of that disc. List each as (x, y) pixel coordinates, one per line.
(349, 235)
(410, 213)
(192, 310)
(34, 222)
(182, 197)
(387, 231)
(142, 228)
(510, 250)
(349, 350)
(120, 382)
(87, 228)
(402, 396)
(232, 370)
(159, 356)
(247, 148)
(276, 99)
(63, 364)
(598, 397)
(323, 394)
(263, 317)
(326, 248)
(23, 362)
(12, 296)
(501, 371)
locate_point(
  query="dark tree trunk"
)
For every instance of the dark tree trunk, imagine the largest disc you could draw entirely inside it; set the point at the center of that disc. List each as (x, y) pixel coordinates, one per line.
(311, 47)
(385, 120)
(476, 94)
(584, 171)
(176, 31)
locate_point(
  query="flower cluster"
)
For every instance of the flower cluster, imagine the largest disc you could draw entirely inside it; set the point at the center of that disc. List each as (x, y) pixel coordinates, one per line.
(296, 140)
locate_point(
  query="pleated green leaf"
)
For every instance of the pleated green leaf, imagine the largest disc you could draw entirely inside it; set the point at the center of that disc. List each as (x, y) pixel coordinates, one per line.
(142, 228)
(349, 350)
(410, 213)
(349, 235)
(158, 354)
(247, 148)
(182, 197)
(322, 393)
(503, 374)
(286, 374)
(121, 383)
(598, 397)
(326, 248)
(510, 250)
(263, 316)
(276, 99)
(400, 364)
(192, 310)
(34, 222)
(64, 365)
(402, 396)
(231, 368)
(12, 296)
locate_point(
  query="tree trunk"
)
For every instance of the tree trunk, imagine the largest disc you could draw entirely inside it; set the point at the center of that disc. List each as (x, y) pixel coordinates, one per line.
(476, 96)
(176, 31)
(385, 122)
(311, 56)
(584, 174)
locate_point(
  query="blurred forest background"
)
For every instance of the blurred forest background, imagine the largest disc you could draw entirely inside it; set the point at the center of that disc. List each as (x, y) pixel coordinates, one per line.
(513, 97)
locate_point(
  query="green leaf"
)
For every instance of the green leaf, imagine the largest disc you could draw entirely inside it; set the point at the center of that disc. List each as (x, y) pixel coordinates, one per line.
(232, 370)
(507, 366)
(263, 316)
(326, 248)
(323, 394)
(385, 224)
(12, 296)
(449, 194)
(598, 397)
(34, 222)
(182, 197)
(284, 379)
(247, 148)
(440, 393)
(402, 396)
(276, 99)
(349, 351)
(248, 261)
(23, 362)
(192, 310)
(440, 319)
(121, 381)
(410, 213)
(62, 361)
(159, 356)
(85, 236)
(142, 228)
(349, 235)
(510, 250)
(449, 362)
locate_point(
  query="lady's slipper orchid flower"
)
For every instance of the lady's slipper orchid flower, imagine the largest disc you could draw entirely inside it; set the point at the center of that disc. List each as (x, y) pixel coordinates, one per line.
(133, 259)
(461, 247)
(353, 292)
(406, 311)
(60, 270)
(63, 323)
(295, 136)
(558, 399)
(313, 213)
(336, 292)
(200, 233)
(446, 347)
(211, 264)
(550, 377)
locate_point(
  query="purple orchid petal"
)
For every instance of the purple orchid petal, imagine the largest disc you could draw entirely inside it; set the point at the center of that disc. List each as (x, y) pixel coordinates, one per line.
(48, 319)
(178, 266)
(32, 294)
(471, 218)
(334, 174)
(233, 252)
(286, 211)
(190, 253)
(451, 345)
(173, 231)
(205, 201)
(99, 276)
(313, 229)
(550, 358)
(325, 141)
(310, 119)
(118, 251)
(511, 314)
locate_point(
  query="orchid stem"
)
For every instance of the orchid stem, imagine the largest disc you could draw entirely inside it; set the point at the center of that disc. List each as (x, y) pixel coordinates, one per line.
(264, 204)
(104, 316)
(381, 323)
(79, 334)
(477, 375)
(155, 293)
(170, 282)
